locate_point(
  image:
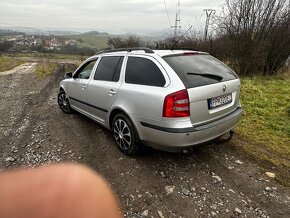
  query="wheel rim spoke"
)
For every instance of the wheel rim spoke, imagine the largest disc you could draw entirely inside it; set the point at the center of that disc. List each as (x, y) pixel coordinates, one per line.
(117, 127)
(66, 108)
(123, 145)
(128, 142)
(122, 134)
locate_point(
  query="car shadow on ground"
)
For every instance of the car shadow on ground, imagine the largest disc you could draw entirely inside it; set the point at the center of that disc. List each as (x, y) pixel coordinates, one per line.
(148, 153)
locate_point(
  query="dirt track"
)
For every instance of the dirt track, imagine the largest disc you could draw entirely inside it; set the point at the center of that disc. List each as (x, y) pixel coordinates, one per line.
(214, 180)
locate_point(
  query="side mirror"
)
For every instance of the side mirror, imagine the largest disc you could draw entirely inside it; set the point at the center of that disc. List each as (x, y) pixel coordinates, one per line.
(68, 75)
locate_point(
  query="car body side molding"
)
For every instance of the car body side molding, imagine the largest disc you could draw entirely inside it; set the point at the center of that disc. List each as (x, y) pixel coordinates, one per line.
(90, 105)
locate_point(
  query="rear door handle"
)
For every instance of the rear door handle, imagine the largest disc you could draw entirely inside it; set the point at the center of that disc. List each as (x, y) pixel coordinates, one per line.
(84, 87)
(112, 92)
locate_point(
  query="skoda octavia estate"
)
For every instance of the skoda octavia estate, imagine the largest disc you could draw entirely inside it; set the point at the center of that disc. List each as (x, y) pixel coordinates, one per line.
(166, 99)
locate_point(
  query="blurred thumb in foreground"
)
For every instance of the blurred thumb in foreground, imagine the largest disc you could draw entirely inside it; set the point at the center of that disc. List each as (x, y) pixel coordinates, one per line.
(57, 191)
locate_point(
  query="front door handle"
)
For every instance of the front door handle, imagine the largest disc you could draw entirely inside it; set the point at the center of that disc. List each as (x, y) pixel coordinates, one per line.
(84, 87)
(112, 92)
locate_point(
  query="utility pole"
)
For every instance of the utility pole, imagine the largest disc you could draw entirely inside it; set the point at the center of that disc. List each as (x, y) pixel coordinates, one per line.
(208, 12)
(177, 20)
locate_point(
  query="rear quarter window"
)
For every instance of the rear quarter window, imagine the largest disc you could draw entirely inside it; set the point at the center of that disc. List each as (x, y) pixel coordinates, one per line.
(143, 71)
(199, 69)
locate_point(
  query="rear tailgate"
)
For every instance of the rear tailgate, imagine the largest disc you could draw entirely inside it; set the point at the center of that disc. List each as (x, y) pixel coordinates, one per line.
(210, 102)
(213, 88)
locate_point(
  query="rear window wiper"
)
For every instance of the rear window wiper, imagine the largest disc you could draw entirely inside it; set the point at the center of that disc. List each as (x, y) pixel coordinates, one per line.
(211, 76)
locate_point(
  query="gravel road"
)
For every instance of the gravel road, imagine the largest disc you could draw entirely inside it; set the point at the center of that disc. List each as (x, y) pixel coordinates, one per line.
(214, 180)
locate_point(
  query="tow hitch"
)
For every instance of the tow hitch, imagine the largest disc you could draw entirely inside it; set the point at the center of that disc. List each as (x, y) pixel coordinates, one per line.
(226, 137)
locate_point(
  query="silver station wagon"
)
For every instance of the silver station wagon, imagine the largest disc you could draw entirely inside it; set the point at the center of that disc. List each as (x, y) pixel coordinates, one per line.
(166, 99)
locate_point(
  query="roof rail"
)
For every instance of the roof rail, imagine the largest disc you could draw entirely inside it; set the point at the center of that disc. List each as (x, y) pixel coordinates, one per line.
(147, 50)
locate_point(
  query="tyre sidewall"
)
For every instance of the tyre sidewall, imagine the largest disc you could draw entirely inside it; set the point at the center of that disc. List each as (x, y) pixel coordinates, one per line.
(70, 109)
(134, 147)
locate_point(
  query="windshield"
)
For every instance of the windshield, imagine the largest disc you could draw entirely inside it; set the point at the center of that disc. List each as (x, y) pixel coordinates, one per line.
(199, 70)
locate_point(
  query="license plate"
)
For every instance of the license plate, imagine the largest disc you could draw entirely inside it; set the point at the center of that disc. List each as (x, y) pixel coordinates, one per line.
(219, 101)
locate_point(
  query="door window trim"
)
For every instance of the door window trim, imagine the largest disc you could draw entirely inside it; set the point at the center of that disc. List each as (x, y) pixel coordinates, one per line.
(83, 64)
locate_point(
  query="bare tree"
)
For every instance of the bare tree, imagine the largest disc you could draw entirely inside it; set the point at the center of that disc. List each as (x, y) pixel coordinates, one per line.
(189, 39)
(131, 41)
(257, 34)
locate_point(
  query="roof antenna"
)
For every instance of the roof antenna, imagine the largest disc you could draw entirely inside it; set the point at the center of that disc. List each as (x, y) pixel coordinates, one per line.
(180, 38)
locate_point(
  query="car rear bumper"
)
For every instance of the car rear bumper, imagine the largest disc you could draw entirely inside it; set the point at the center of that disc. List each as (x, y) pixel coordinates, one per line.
(174, 139)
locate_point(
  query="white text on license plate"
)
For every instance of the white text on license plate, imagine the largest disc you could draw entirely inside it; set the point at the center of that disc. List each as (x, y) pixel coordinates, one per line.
(219, 101)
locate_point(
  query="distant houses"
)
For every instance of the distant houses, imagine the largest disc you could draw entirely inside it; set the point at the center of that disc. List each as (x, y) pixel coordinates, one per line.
(53, 43)
(22, 40)
(56, 43)
(70, 42)
(47, 42)
(28, 41)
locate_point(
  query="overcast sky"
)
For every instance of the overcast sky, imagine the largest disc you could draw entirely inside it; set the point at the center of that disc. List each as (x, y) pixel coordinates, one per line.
(112, 16)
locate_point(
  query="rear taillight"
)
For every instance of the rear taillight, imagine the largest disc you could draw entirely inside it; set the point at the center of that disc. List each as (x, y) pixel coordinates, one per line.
(176, 104)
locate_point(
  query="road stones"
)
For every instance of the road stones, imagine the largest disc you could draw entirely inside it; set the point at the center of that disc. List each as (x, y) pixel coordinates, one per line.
(271, 175)
(10, 159)
(237, 210)
(185, 191)
(216, 178)
(169, 189)
(239, 162)
(145, 213)
(160, 214)
(270, 189)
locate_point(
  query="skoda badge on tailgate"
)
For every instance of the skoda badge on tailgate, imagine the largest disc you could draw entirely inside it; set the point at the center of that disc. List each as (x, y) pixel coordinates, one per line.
(224, 88)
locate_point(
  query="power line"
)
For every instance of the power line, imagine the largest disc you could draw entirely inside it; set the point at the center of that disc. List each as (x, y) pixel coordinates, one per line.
(208, 12)
(167, 12)
(177, 20)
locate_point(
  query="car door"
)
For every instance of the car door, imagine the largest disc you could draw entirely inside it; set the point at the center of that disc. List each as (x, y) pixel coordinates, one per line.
(77, 89)
(104, 86)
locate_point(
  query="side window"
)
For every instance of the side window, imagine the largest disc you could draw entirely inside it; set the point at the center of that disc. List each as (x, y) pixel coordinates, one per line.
(143, 71)
(109, 68)
(86, 70)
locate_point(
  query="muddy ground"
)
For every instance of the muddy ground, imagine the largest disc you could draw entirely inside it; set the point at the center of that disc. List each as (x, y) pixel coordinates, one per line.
(214, 180)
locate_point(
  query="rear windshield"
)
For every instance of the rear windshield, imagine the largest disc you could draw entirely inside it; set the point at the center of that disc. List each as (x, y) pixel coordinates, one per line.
(199, 70)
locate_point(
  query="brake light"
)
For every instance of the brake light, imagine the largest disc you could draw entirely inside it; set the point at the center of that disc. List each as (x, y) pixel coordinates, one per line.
(176, 105)
(190, 53)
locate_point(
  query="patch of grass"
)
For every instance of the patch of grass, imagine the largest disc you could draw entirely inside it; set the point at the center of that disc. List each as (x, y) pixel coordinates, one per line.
(44, 68)
(8, 63)
(52, 56)
(97, 42)
(266, 118)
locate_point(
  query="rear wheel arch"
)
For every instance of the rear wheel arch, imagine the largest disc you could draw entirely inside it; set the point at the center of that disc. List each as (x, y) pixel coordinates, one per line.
(118, 111)
(114, 112)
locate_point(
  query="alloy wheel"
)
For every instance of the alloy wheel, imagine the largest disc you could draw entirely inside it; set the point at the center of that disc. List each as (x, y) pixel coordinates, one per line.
(64, 103)
(122, 134)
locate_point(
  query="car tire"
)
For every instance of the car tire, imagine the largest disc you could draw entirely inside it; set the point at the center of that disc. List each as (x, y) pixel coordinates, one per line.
(63, 102)
(125, 135)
